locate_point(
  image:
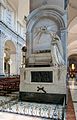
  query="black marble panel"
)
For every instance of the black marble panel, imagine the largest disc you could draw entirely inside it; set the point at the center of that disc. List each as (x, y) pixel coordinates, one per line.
(42, 97)
(42, 76)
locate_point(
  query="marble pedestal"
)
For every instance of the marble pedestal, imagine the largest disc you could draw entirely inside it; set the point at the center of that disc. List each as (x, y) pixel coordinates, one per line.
(43, 92)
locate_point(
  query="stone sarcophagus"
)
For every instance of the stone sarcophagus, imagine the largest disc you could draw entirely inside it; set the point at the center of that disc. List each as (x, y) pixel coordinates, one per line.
(44, 77)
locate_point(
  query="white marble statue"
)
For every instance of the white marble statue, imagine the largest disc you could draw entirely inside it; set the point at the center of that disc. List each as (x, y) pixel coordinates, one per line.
(56, 45)
(56, 50)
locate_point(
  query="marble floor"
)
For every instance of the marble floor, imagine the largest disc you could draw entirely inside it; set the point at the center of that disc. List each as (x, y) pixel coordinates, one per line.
(11, 116)
(73, 90)
(12, 109)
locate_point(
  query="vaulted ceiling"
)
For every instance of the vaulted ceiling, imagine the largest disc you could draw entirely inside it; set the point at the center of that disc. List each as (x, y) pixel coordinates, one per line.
(72, 27)
(14, 3)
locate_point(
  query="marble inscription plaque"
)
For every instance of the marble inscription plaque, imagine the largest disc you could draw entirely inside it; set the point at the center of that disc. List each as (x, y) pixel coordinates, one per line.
(42, 76)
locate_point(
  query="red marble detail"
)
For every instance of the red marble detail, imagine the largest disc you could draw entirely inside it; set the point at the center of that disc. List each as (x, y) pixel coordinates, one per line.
(9, 84)
(70, 113)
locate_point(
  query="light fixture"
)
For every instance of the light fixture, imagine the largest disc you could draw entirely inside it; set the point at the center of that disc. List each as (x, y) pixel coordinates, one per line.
(73, 66)
(10, 61)
(4, 54)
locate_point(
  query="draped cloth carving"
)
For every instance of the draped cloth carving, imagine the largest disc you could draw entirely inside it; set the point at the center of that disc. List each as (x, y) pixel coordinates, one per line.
(57, 50)
(55, 41)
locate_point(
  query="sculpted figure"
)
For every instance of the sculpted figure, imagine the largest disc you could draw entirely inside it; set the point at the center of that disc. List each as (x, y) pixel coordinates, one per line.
(56, 50)
(56, 45)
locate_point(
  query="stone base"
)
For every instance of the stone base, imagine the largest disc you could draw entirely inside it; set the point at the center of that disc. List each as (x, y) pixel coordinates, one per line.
(42, 97)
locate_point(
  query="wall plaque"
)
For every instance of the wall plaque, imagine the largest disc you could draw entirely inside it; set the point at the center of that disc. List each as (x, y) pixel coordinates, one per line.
(42, 76)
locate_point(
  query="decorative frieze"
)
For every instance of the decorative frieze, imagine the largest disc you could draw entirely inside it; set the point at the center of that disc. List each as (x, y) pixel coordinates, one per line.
(3, 35)
(3, 2)
(8, 33)
(44, 2)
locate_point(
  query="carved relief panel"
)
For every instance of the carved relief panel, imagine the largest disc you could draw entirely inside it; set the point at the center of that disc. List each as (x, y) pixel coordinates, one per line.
(42, 33)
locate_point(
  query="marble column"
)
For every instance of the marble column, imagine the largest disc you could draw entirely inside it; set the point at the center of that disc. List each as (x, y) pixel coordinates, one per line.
(18, 58)
(12, 64)
(1, 61)
(2, 37)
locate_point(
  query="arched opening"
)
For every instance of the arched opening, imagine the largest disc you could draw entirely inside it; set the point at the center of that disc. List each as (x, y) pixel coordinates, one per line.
(72, 37)
(9, 58)
(72, 48)
(72, 67)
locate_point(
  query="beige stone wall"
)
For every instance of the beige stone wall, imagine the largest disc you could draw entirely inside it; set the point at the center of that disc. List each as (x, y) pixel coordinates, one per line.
(38, 3)
(72, 13)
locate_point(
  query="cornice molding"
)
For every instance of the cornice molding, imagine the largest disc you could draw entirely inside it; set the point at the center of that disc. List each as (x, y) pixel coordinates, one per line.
(13, 32)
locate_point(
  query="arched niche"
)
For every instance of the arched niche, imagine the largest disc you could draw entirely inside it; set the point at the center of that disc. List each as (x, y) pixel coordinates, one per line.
(41, 18)
(9, 58)
(72, 65)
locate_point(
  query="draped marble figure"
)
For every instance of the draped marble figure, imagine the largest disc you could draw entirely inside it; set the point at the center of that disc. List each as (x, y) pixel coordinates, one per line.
(56, 44)
(56, 50)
